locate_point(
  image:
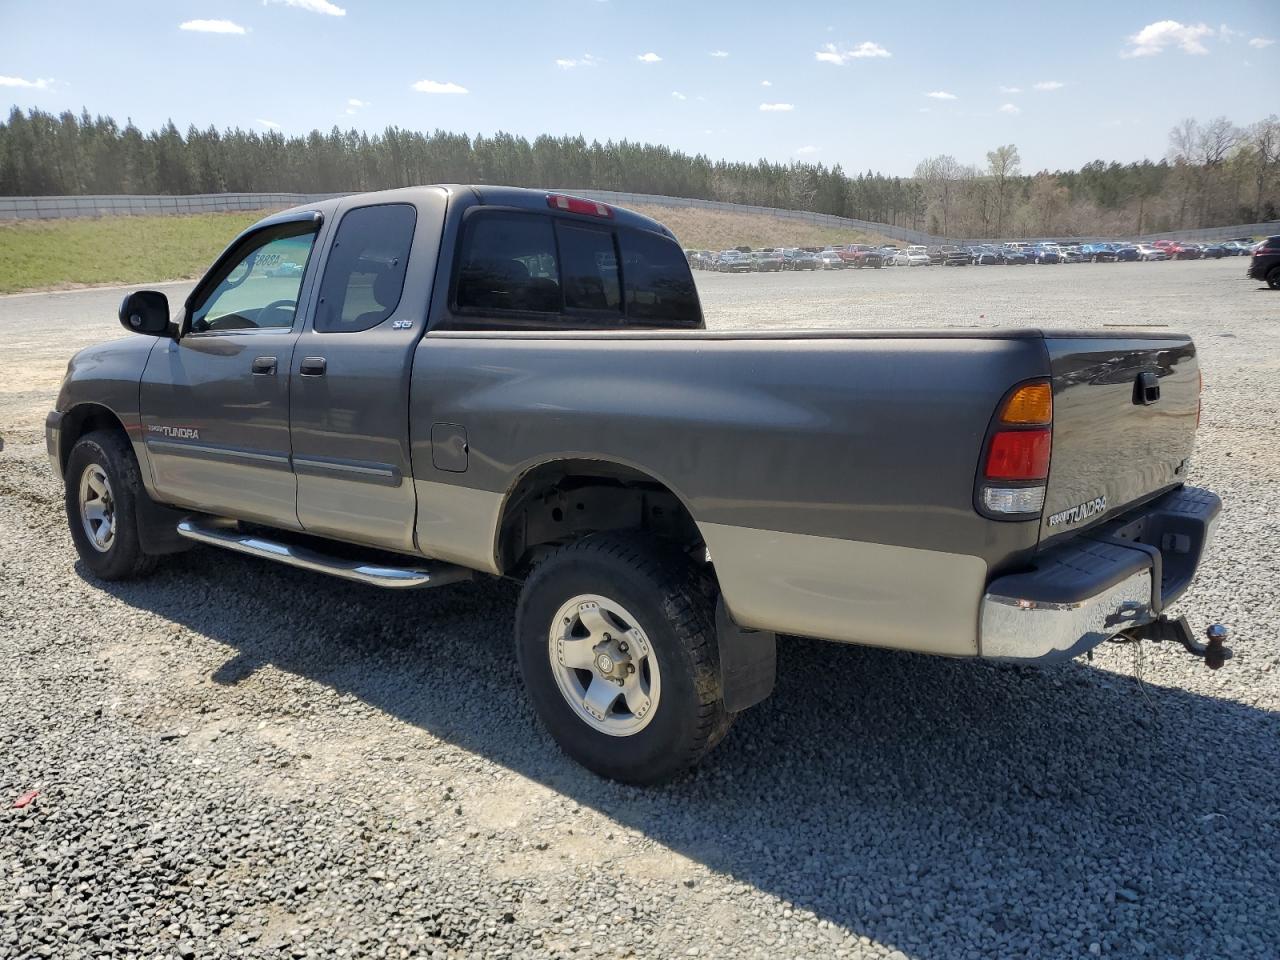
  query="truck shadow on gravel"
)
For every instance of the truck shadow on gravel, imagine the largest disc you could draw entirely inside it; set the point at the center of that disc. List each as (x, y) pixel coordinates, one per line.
(927, 804)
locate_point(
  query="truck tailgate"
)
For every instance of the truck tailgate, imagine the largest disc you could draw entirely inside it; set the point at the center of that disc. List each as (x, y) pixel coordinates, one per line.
(1125, 409)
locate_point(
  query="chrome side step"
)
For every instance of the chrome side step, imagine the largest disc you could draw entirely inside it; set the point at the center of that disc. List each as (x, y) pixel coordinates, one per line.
(395, 578)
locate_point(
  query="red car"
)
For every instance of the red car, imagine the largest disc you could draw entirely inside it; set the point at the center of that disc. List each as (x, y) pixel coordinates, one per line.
(861, 255)
(1181, 250)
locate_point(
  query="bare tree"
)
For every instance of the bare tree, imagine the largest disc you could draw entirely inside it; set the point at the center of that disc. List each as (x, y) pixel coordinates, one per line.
(1263, 141)
(1003, 164)
(939, 175)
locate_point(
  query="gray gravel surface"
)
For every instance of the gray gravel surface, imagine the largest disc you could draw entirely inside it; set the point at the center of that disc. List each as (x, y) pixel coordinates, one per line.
(235, 759)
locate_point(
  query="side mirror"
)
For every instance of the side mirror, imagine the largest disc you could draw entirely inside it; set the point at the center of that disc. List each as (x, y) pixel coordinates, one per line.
(146, 312)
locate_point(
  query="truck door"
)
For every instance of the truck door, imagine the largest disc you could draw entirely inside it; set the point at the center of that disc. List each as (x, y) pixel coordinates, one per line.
(215, 401)
(349, 384)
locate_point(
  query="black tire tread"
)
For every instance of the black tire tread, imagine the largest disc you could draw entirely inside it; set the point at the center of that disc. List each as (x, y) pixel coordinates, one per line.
(683, 594)
(124, 466)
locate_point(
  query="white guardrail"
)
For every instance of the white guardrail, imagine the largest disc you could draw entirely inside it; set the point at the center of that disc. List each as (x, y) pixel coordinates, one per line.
(57, 208)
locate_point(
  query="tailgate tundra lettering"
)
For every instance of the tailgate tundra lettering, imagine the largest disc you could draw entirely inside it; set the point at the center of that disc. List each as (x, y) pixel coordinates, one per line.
(1082, 512)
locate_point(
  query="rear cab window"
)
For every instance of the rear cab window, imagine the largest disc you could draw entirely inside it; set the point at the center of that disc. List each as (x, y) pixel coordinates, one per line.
(518, 268)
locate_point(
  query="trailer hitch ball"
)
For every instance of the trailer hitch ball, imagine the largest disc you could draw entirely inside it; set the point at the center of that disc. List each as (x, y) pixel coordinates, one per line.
(1214, 653)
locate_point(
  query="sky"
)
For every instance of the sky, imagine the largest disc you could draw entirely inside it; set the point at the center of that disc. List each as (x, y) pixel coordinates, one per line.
(871, 86)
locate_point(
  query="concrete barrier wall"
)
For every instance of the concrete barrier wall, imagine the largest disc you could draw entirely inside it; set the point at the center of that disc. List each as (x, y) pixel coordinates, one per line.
(54, 208)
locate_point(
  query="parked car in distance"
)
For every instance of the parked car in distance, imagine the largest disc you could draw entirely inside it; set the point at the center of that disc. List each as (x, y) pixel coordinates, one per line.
(1099, 252)
(1046, 253)
(1238, 248)
(1264, 264)
(1126, 252)
(986, 254)
(799, 259)
(953, 256)
(1213, 251)
(1150, 252)
(1181, 250)
(733, 261)
(861, 255)
(914, 256)
(830, 260)
(769, 261)
(1070, 253)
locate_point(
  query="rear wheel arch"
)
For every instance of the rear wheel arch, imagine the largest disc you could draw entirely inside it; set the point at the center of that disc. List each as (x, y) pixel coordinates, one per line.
(556, 502)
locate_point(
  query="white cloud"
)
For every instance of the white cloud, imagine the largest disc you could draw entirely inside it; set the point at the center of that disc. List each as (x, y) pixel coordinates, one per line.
(869, 49)
(1010, 89)
(941, 95)
(1050, 85)
(586, 60)
(830, 53)
(720, 54)
(766, 83)
(312, 6)
(435, 86)
(677, 95)
(1010, 108)
(1226, 34)
(39, 84)
(777, 107)
(1260, 43)
(269, 124)
(807, 150)
(649, 57)
(1156, 37)
(212, 26)
(353, 102)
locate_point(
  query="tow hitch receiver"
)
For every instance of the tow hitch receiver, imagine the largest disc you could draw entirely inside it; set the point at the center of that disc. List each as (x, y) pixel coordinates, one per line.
(1214, 652)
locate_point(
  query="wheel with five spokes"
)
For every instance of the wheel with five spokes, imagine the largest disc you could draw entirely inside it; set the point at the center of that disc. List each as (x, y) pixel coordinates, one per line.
(616, 641)
(103, 486)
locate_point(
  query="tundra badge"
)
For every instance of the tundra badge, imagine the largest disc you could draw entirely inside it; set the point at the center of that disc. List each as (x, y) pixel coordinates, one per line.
(1082, 512)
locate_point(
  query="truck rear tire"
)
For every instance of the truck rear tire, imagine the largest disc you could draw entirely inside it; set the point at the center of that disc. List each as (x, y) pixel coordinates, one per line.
(103, 486)
(1273, 278)
(616, 641)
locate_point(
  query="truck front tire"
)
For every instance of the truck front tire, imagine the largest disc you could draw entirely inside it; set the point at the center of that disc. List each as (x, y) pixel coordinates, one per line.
(103, 487)
(616, 641)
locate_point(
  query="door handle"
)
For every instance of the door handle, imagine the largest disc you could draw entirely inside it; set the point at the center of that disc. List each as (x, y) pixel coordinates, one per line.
(313, 366)
(264, 366)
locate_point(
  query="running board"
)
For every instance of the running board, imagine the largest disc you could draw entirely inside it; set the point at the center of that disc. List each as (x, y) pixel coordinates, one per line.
(378, 575)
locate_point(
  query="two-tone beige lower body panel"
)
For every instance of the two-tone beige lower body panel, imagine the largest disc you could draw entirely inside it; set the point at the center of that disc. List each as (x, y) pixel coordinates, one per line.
(849, 590)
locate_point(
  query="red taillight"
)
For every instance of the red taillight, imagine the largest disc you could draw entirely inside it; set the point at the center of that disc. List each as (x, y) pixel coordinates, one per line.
(1019, 455)
(592, 208)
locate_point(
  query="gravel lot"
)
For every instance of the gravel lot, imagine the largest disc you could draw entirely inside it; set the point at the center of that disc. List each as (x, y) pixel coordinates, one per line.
(235, 759)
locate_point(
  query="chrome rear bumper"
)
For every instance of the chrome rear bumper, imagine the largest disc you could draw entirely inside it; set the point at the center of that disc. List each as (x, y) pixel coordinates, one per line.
(1108, 580)
(1017, 628)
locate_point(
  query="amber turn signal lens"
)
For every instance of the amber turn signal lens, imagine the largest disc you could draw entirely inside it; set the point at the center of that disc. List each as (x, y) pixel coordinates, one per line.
(1031, 403)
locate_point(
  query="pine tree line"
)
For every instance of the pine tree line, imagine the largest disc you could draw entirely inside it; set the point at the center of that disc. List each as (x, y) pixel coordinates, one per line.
(1215, 174)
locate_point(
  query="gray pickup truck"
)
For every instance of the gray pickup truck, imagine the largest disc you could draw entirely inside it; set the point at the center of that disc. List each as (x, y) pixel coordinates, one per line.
(416, 387)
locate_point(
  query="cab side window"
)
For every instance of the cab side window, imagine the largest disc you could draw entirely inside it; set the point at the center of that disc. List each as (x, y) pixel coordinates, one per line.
(259, 290)
(364, 275)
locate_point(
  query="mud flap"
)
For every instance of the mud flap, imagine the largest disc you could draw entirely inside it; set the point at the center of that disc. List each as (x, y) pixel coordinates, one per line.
(158, 526)
(748, 661)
